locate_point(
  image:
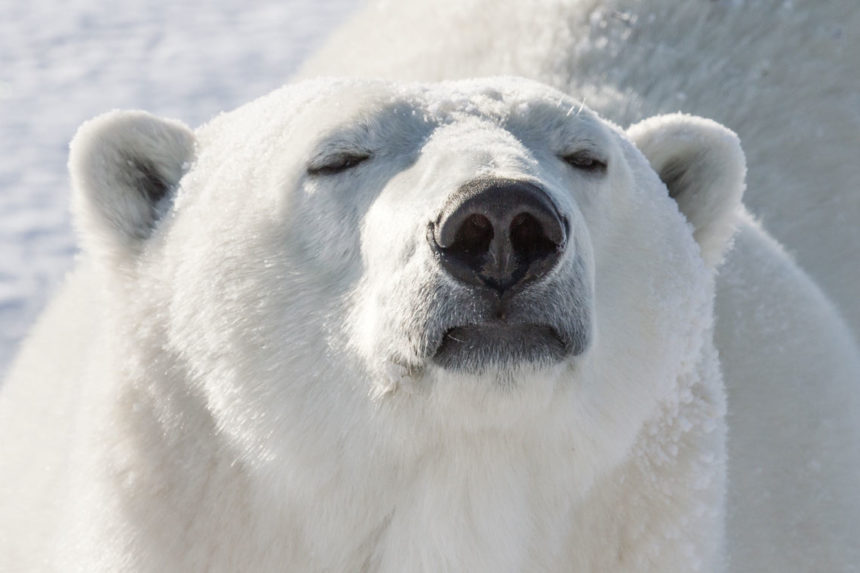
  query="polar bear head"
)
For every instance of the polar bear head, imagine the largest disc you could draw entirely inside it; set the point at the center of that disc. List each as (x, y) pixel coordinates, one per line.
(445, 257)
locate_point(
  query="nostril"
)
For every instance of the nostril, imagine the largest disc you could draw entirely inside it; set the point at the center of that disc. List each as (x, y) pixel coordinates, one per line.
(529, 239)
(473, 237)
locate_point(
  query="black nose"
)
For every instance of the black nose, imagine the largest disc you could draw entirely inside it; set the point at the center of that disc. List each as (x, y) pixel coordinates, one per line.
(502, 234)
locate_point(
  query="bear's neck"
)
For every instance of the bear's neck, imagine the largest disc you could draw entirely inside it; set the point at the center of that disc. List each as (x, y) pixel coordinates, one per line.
(510, 500)
(484, 503)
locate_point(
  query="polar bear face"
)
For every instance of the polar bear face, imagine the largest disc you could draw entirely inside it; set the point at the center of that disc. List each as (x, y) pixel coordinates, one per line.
(448, 257)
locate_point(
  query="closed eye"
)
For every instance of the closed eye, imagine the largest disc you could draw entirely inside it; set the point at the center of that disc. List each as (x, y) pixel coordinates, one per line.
(337, 163)
(586, 161)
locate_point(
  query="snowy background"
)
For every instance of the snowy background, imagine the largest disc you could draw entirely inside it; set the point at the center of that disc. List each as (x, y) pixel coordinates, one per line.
(63, 62)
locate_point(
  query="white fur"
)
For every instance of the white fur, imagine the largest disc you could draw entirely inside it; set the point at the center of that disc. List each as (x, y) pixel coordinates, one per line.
(794, 429)
(243, 391)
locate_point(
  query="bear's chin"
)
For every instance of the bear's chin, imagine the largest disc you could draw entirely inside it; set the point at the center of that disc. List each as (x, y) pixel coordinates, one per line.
(478, 348)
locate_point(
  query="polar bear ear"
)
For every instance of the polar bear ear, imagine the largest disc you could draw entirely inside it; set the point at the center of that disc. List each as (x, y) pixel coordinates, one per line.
(124, 167)
(703, 167)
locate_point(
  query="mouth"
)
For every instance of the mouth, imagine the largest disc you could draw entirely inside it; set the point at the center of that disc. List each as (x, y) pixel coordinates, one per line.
(477, 347)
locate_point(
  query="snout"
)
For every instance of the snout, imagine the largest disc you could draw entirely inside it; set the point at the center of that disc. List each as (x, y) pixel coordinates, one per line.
(500, 234)
(496, 237)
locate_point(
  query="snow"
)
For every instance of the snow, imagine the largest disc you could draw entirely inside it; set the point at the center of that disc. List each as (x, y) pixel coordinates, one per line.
(64, 62)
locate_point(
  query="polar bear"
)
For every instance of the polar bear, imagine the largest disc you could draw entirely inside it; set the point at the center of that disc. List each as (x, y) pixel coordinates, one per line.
(367, 326)
(783, 74)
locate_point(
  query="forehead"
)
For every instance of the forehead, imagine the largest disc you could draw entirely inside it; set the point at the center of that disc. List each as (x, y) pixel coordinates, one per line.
(517, 105)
